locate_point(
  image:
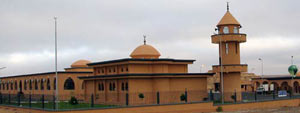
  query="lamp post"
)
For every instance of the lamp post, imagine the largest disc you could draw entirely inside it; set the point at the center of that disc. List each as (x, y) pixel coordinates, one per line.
(262, 67)
(56, 75)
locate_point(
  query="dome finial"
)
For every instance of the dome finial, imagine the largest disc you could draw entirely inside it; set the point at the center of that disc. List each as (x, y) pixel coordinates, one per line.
(227, 6)
(144, 39)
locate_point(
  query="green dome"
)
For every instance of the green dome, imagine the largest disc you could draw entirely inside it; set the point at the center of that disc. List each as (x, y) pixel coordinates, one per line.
(293, 70)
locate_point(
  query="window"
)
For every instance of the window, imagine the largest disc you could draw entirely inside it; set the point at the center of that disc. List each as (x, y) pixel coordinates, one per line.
(48, 84)
(11, 86)
(114, 87)
(127, 69)
(102, 70)
(225, 30)
(7, 87)
(109, 70)
(54, 84)
(69, 84)
(114, 70)
(103, 87)
(16, 85)
(226, 48)
(100, 86)
(123, 86)
(235, 30)
(36, 85)
(0, 86)
(110, 87)
(20, 85)
(30, 85)
(126, 86)
(42, 84)
(25, 85)
(122, 70)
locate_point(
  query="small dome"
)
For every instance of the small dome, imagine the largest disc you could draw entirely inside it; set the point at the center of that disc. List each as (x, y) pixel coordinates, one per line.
(80, 63)
(228, 19)
(145, 51)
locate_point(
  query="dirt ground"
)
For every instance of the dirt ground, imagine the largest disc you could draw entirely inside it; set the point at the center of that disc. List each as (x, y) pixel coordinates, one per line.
(270, 110)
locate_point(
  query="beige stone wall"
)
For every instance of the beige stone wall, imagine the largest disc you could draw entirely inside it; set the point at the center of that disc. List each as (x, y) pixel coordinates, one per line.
(64, 94)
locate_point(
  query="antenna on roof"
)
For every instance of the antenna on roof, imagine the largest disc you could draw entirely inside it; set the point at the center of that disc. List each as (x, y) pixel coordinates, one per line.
(227, 6)
(144, 39)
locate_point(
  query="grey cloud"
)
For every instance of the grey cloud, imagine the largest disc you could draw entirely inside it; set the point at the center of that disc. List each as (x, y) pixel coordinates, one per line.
(112, 29)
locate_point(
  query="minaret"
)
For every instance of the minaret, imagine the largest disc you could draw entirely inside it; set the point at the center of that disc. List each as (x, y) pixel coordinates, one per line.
(229, 39)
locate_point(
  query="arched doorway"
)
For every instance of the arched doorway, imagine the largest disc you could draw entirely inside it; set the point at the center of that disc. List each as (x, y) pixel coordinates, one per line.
(275, 86)
(296, 87)
(257, 84)
(266, 86)
(69, 84)
(285, 86)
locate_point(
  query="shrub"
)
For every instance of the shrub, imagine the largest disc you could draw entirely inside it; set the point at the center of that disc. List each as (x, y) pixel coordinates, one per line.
(141, 95)
(233, 97)
(219, 109)
(182, 97)
(73, 101)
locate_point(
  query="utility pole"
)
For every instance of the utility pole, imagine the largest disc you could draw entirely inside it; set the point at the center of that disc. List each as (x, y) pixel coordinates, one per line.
(56, 75)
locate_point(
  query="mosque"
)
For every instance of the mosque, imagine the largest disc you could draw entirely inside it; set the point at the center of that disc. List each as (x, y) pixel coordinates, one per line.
(145, 78)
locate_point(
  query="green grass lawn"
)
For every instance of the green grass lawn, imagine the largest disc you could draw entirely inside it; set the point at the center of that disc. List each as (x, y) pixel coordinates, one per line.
(62, 105)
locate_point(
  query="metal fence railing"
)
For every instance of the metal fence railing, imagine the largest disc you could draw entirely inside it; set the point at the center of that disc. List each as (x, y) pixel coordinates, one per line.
(124, 99)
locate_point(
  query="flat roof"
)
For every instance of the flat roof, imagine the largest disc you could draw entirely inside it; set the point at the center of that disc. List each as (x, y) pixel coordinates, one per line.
(276, 77)
(46, 73)
(134, 59)
(143, 74)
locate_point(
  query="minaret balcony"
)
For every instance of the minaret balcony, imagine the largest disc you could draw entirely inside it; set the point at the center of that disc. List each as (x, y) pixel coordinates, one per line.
(231, 37)
(230, 68)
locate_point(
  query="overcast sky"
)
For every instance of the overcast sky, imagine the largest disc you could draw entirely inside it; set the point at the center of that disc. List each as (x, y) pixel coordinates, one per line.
(100, 30)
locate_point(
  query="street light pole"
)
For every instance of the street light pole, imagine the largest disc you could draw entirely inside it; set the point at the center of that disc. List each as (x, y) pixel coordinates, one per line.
(262, 67)
(56, 75)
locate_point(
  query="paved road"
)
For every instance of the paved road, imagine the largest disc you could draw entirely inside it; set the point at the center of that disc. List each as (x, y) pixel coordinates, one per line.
(271, 110)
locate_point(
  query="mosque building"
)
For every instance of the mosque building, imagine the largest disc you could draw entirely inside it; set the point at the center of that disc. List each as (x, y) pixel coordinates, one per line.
(145, 73)
(145, 78)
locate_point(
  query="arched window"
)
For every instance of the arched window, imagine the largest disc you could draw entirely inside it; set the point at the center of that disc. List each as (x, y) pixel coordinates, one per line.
(30, 85)
(42, 84)
(110, 87)
(69, 84)
(16, 85)
(54, 84)
(48, 84)
(126, 86)
(0, 86)
(225, 30)
(36, 87)
(235, 30)
(123, 86)
(25, 85)
(20, 86)
(7, 87)
(11, 86)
